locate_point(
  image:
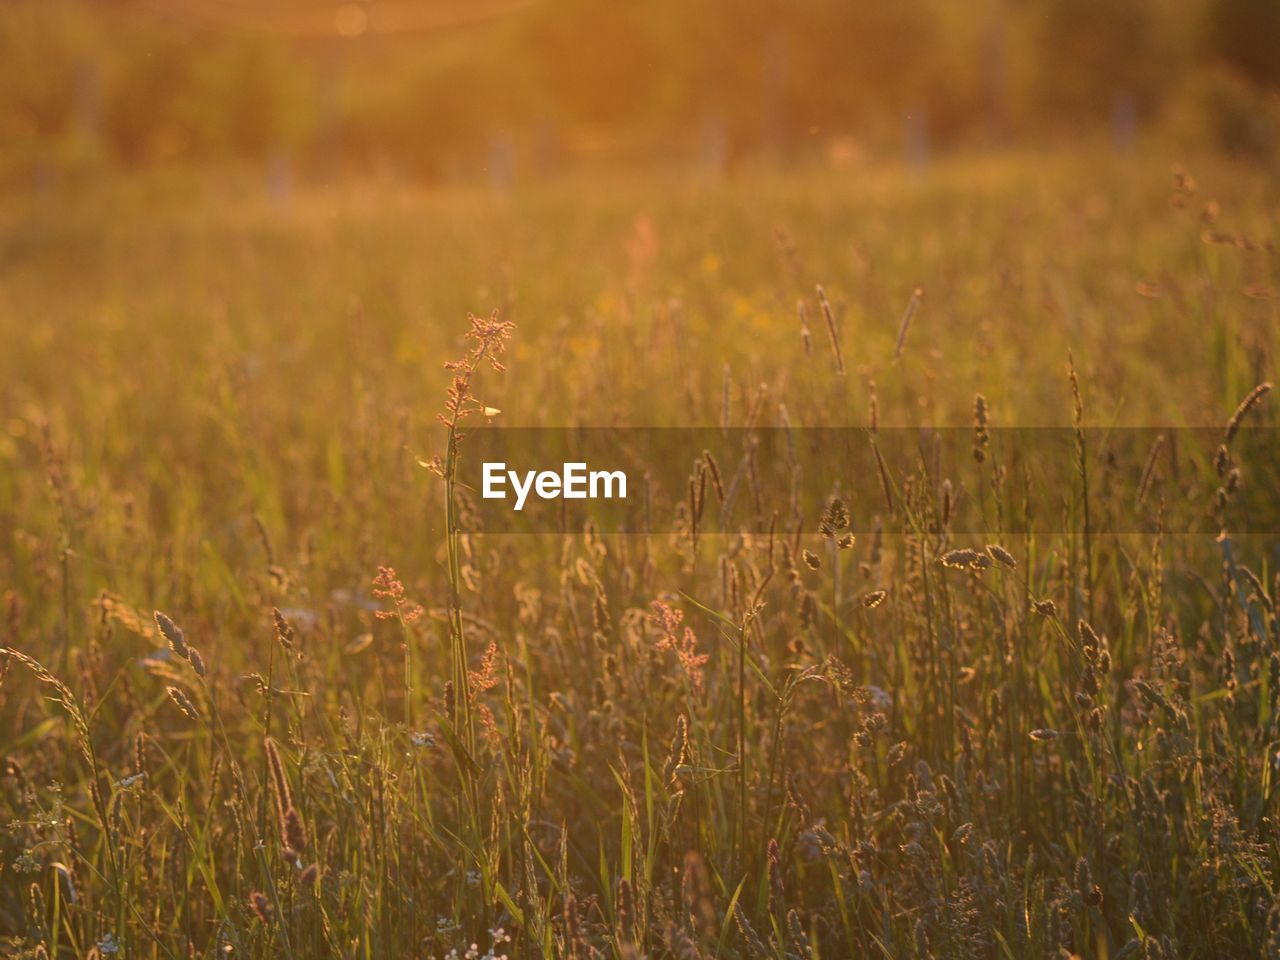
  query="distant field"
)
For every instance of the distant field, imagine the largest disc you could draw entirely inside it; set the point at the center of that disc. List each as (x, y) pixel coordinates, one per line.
(218, 406)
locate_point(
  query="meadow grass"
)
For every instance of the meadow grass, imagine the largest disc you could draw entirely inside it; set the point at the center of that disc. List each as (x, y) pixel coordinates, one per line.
(269, 693)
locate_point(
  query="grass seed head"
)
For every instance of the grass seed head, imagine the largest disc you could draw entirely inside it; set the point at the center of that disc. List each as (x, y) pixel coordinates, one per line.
(183, 702)
(960, 558)
(173, 633)
(1248, 403)
(832, 331)
(260, 906)
(1001, 555)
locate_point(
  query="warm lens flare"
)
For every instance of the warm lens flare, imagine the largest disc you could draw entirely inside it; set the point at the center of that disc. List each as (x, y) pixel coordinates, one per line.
(351, 20)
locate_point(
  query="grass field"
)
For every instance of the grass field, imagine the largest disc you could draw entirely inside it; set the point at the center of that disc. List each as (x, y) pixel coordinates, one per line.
(218, 407)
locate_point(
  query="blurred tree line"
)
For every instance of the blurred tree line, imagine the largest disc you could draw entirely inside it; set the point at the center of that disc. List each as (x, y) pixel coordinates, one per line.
(423, 87)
